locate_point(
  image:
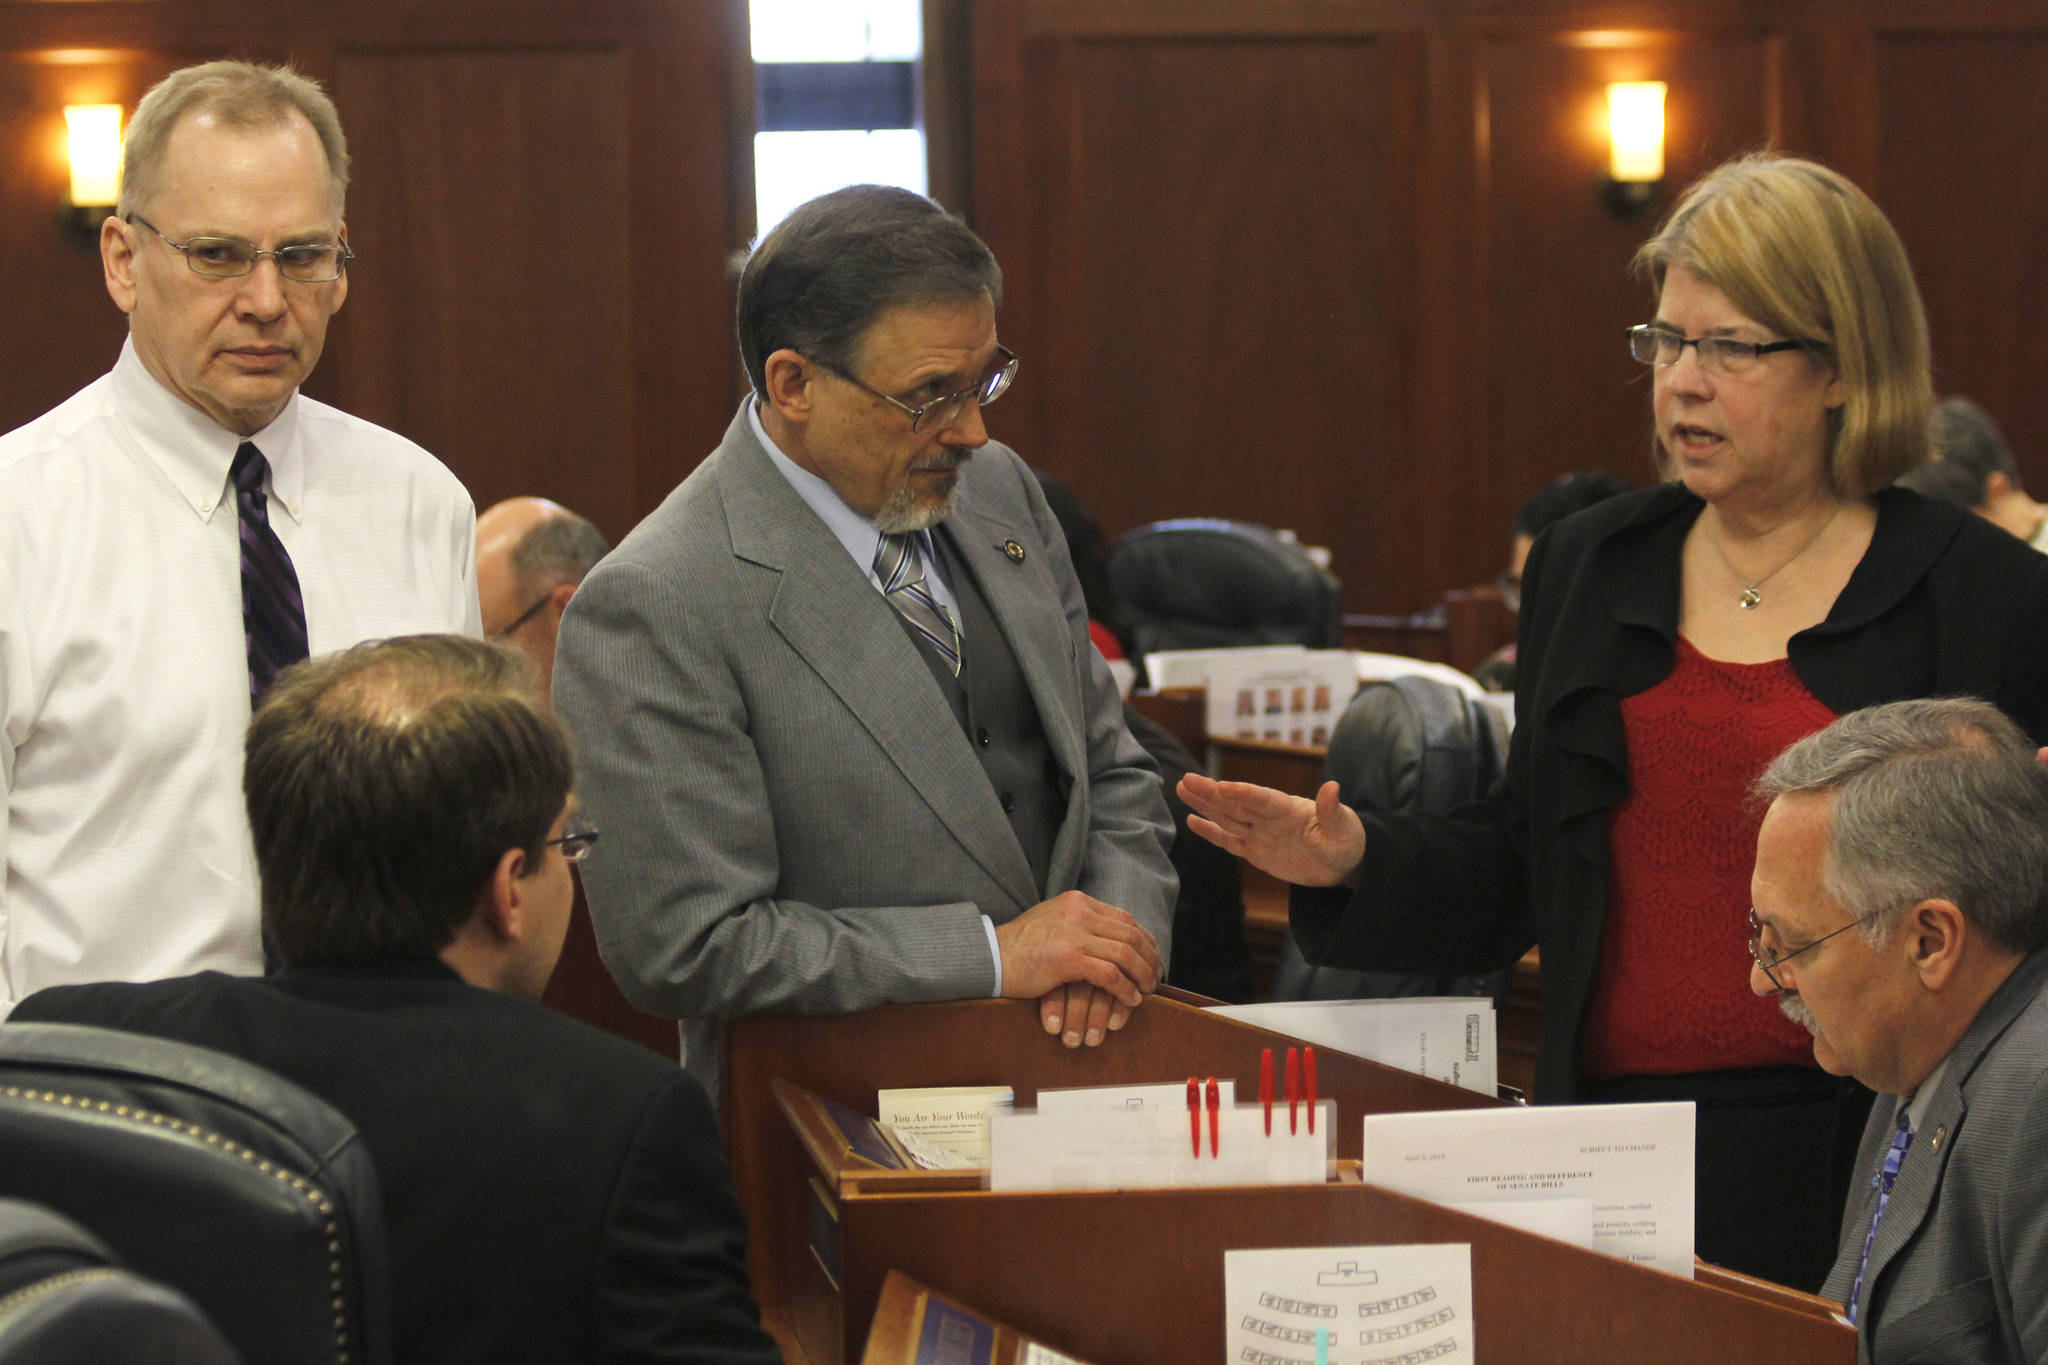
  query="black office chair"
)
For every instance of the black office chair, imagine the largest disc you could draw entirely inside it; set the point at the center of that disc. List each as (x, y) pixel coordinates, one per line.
(1408, 743)
(1199, 583)
(64, 1301)
(248, 1194)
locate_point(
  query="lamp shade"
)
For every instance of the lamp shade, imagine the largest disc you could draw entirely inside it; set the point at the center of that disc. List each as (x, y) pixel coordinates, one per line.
(1635, 131)
(95, 153)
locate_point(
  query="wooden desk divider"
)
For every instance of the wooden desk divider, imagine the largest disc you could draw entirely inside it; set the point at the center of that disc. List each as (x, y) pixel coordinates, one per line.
(905, 1312)
(1135, 1277)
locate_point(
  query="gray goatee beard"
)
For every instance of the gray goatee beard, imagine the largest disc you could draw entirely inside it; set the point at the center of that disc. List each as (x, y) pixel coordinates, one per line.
(904, 512)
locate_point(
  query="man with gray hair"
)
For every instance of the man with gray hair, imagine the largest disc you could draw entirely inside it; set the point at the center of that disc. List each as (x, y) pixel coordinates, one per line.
(1973, 467)
(836, 698)
(531, 554)
(190, 492)
(1923, 827)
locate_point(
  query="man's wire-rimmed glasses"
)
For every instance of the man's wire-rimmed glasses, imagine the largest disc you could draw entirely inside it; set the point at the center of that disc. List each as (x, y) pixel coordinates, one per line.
(522, 618)
(1767, 958)
(574, 844)
(941, 412)
(1657, 345)
(230, 258)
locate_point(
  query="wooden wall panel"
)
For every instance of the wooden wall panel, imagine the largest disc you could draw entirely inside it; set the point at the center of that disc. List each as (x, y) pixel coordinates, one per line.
(490, 314)
(1559, 292)
(58, 328)
(1962, 174)
(1196, 277)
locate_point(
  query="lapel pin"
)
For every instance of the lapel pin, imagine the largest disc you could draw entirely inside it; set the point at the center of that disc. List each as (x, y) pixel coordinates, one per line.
(1014, 551)
(1940, 1132)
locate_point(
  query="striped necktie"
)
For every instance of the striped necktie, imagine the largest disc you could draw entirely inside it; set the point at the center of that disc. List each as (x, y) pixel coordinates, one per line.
(1893, 1159)
(899, 568)
(273, 614)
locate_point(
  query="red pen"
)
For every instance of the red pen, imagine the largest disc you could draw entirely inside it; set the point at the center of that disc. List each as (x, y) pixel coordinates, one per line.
(1308, 1067)
(1215, 1107)
(1293, 1085)
(1195, 1114)
(1266, 1087)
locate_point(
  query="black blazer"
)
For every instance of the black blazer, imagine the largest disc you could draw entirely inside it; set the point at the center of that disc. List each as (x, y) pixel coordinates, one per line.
(551, 1193)
(1942, 604)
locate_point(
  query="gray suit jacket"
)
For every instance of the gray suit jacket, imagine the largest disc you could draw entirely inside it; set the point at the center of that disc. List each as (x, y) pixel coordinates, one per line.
(793, 820)
(1959, 1270)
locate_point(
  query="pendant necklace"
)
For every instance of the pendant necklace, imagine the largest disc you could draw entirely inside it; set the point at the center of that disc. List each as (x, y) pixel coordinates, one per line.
(1752, 592)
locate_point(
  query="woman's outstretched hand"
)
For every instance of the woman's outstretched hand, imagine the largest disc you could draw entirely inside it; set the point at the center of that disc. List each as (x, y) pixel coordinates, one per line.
(1309, 843)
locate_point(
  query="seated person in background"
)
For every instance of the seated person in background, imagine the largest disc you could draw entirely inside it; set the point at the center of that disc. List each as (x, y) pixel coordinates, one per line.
(1923, 825)
(1556, 500)
(1973, 467)
(530, 556)
(551, 1193)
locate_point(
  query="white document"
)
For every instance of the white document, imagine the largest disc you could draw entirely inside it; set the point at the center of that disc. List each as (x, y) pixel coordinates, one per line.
(954, 1117)
(1566, 1220)
(1633, 1161)
(1444, 1037)
(1096, 1099)
(1280, 698)
(1191, 667)
(1395, 1305)
(1034, 1354)
(1154, 1147)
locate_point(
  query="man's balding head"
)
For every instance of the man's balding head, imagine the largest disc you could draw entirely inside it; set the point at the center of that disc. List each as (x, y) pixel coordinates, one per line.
(530, 555)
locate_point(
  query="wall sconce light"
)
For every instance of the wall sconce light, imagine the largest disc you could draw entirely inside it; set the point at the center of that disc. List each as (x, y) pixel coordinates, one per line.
(95, 131)
(1635, 142)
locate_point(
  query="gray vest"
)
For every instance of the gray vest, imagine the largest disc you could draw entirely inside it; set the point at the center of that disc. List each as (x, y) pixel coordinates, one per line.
(993, 704)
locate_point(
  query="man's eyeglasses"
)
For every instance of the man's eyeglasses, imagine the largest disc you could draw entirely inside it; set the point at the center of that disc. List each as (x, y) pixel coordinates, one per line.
(1661, 346)
(229, 258)
(574, 844)
(941, 412)
(1767, 958)
(522, 618)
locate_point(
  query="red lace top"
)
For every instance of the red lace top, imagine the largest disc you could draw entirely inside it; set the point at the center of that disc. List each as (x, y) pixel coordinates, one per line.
(1671, 991)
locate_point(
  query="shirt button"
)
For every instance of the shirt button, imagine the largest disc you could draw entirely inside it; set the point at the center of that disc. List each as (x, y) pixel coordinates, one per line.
(982, 737)
(1009, 802)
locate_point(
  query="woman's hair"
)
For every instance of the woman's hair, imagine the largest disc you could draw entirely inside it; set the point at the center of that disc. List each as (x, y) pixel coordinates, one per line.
(1800, 250)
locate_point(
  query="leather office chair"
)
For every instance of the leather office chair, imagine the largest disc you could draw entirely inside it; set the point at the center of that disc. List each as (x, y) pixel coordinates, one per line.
(1409, 743)
(63, 1301)
(1200, 583)
(245, 1192)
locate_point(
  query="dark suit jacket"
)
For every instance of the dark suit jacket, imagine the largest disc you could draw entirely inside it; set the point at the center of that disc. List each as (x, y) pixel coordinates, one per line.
(552, 1193)
(1942, 604)
(1959, 1268)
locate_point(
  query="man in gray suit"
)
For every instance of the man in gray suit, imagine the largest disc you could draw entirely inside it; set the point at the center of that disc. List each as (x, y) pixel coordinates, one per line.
(836, 700)
(1923, 826)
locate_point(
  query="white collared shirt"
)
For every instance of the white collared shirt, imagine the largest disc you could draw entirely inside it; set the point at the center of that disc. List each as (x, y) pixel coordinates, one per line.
(124, 677)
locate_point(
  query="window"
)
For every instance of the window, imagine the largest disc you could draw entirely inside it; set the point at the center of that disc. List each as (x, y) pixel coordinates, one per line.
(836, 98)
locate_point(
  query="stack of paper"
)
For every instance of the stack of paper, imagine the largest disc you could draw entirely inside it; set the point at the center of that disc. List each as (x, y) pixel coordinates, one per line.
(1446, 1038)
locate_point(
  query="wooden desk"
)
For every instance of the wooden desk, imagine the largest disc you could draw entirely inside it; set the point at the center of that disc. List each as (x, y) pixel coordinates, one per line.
(1136, 1277)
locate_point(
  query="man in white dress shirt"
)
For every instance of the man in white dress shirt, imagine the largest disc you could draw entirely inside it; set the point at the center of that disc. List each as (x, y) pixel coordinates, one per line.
(130, 623)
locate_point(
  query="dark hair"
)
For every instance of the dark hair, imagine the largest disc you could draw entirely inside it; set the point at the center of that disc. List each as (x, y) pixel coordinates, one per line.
(818, 281)
(1968, 449)
(560, 549)
(1566, 494)
(384, 784)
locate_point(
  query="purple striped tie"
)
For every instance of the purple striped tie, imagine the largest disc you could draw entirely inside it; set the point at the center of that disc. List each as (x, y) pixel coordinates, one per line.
(273, 614)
